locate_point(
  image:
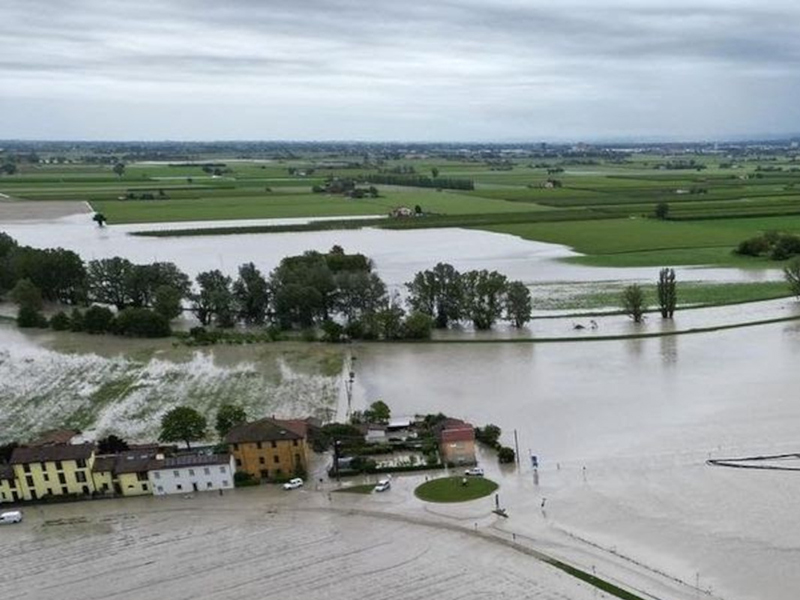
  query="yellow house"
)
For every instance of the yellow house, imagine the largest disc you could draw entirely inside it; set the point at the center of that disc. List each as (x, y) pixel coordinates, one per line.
(270, 448)
(8, 485)
(123, 474)
(55, 470)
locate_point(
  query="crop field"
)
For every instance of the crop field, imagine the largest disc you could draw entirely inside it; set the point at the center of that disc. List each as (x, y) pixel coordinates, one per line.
(602, 208)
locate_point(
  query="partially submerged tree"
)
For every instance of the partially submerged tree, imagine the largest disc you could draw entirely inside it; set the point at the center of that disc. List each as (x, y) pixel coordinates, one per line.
(633, 302)
(100, 219)
(792, 274)
(484, 297)
(378, 412)
(518, 303)
(667, 292)
(183, 424)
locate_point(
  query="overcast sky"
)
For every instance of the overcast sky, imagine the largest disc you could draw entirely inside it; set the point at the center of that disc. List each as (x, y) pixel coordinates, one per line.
(522, 70)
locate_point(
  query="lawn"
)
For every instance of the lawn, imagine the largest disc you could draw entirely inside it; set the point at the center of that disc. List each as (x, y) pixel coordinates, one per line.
(452, 489)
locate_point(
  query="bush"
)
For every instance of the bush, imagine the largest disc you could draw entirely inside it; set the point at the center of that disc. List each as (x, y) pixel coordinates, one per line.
(506, 455)
(489, 435)
(76, 320)
(28, 317)
(98, 319)
(60, 321)
(243, 479)
(418, 326)
(141, 322)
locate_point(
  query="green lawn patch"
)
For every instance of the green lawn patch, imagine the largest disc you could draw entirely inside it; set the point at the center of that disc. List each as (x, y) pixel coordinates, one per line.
(452, 489)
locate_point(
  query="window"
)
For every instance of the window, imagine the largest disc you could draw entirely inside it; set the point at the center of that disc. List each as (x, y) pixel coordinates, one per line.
(238, 463)
(156, 475)
(26, 468)
(161, 489)
(276, 459)
(59, 466)
(29, 480)
(191, 472)
(141, 476)
(274, 444)
(222, 469)
(81, 463)
(46, 477)
(258, 445)
(294, 442)
(176, 473)
(207, 471)
(80, 476)
(225, 482)
(144, 487)
(179, 487)
(297, 460)
(62, 479)
(261, 460)
(236, 447)
(209, 484)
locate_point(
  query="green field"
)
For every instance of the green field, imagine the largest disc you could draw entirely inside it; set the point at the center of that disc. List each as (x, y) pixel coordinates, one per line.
(601, 208)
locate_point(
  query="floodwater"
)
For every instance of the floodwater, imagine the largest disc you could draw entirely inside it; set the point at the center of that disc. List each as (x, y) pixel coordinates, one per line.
(398, 255)
(622, 428)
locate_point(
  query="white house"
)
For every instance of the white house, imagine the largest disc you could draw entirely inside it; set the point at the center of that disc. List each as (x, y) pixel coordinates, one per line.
(186, 474)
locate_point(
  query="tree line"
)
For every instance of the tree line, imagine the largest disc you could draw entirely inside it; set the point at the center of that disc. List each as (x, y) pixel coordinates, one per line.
(449, 183)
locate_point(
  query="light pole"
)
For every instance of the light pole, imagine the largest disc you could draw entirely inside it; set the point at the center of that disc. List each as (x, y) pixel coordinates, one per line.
(348, 385)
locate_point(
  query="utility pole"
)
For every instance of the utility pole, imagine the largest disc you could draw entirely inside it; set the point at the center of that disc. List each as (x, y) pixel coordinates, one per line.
(336, 458)
(348, 384)
(516, 447)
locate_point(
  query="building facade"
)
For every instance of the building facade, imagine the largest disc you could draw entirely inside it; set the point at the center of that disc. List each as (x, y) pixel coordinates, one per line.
(456, 442)
(189, 474)
(123, 474)
(270, 448)
(57, 470)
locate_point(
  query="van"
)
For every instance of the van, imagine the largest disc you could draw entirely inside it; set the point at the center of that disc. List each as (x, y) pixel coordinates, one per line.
(13, 516)
(383, 485)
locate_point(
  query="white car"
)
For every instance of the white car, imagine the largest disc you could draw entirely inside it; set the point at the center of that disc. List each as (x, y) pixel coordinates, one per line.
(293, 484)
(474, 471)
(13, 516)
(383, 485)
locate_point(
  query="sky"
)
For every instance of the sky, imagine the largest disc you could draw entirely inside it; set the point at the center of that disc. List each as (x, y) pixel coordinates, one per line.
(406, 70)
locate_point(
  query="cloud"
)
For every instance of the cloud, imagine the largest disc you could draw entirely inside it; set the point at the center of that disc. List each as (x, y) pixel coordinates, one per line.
(466, 69)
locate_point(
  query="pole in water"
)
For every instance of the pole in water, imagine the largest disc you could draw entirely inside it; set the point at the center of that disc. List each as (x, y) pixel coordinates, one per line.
(497, 501)
(516, 446)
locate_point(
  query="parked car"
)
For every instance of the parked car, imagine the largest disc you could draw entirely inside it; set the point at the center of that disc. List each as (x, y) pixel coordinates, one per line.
(474, 472)
(383, 485)
(293, 484)
(13, 516)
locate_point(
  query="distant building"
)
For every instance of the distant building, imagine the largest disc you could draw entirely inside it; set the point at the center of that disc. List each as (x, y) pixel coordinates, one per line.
(192, 473)
(53, 470)
(270, 448)
(456, 442)
(401, 212)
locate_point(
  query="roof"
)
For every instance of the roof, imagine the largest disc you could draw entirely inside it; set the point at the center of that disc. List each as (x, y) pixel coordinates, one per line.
(463, 434)
(24, 455)
(104, 463)
(54, 437)
(192, 460)
(267, 430)
(134, 461)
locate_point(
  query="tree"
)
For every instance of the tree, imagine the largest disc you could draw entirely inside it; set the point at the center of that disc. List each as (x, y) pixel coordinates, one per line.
(100, 219)
(60, 321)
(633, 302)
(111, 444)
(435, 172)
(167, 302)
(228, 417)
(332, 331)
(518, 303)
(662, 210)
(358, 294)
(25, 294)
(141, 322)
(484, 297)
(439, 293)
(183, 424)
(109, 281)
(667, 292)
(489, 435)
(119, 169)
(506, 455)
(378, 412)
(215, 301)
(252, 295)
(792, 274)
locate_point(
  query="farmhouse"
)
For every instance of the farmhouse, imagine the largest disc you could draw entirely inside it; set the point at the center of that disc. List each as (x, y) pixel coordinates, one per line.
(270, 448)
(53, 470)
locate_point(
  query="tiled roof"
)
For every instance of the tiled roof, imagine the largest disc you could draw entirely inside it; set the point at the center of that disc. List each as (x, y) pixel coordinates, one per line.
(462, 434)
(103, 464)
(267, 430)
(57, 452)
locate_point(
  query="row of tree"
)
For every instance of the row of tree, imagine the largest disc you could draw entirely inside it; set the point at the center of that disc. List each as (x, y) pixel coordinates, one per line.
(449, 183)
(482, 297)
(634, 300)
